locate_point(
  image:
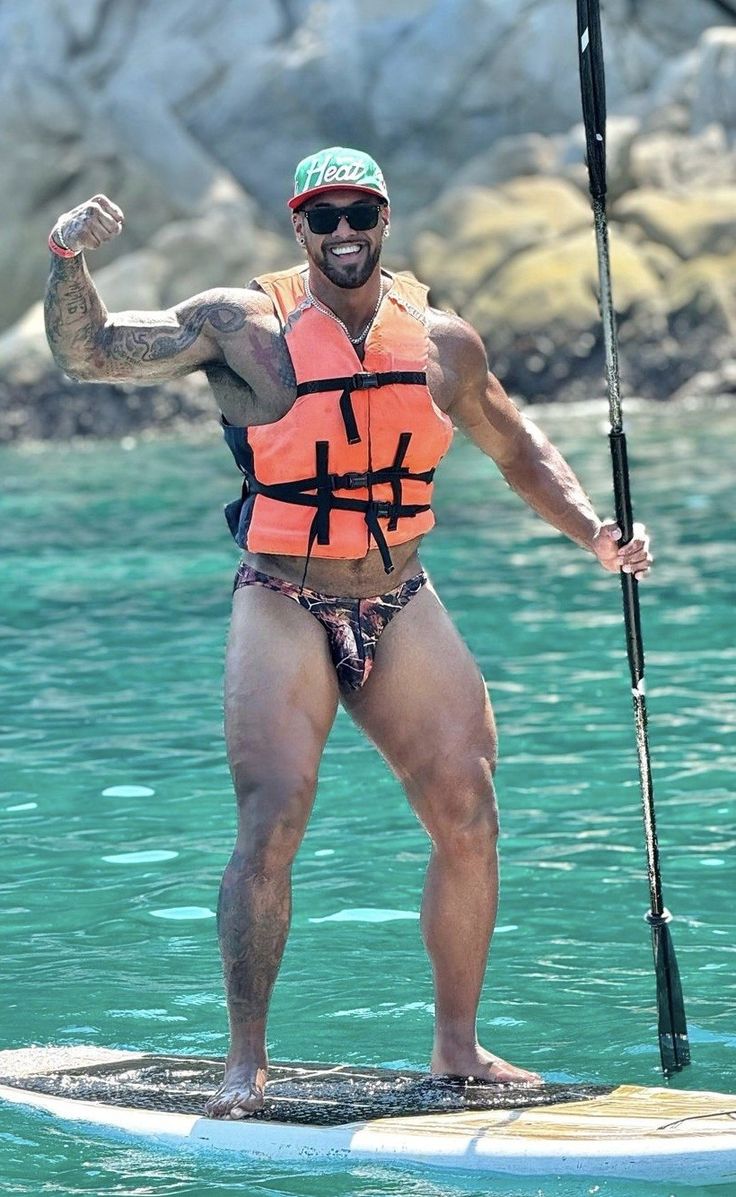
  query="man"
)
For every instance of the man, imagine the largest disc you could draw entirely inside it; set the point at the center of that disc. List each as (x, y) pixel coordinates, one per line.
(339, 387)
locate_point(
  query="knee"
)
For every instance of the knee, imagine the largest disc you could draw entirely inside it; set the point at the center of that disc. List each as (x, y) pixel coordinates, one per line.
(456, 802)
(272, 817)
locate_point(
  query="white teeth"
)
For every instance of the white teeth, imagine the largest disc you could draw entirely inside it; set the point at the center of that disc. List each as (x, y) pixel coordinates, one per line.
(342, 250)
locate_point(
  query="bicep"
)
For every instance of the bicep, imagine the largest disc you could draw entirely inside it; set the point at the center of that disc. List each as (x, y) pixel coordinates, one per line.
(485, 413)
(152, 347)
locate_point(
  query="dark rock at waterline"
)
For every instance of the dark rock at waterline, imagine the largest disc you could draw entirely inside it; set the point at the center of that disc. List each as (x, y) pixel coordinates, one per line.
(54, 407)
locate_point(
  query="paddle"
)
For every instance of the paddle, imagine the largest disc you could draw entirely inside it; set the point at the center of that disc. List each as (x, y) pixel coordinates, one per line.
(674, 1047)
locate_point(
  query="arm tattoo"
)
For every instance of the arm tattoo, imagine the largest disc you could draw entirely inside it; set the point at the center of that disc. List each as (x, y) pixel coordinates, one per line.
(133, 346)
(270, 354)
(73, 312)
(144, 343)
(148, 347)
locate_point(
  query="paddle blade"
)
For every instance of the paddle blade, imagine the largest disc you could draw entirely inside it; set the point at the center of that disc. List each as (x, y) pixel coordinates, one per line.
(674, 1047)
(593, 91)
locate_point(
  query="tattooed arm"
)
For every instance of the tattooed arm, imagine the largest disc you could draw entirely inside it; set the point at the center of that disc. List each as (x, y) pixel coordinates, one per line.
(91, 344)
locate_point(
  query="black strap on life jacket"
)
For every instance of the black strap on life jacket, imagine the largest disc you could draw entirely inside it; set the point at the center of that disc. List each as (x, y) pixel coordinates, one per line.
(358, 382)
(399, 456)
(323, 486)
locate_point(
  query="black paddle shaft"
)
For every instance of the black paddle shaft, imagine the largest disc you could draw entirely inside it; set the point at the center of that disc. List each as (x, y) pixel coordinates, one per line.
(673, 1041)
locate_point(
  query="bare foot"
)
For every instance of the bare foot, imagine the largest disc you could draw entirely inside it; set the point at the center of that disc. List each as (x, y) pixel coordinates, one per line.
(240, 1094)
(481, 1065)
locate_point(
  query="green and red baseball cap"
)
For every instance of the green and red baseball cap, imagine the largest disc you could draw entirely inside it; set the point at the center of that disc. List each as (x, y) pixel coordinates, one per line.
(335, 167)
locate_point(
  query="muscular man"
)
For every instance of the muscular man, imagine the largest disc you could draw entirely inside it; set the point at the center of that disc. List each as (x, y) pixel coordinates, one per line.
(338, 387)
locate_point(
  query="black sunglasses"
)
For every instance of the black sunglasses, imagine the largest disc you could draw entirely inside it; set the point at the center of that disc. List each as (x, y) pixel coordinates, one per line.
(326, 219)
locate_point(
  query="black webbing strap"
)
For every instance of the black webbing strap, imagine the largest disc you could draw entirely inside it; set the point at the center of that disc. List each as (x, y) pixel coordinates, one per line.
(384, 510)
(399, 456)
(376, 531)
(359, 382)
(291, 492)
(324, 494)
(348, 418)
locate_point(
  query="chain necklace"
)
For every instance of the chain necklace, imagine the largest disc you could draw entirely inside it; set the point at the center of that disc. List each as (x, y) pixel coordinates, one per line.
(328, 312)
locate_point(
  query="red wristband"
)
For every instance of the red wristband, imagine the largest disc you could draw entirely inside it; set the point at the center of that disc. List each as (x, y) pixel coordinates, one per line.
(59, 250)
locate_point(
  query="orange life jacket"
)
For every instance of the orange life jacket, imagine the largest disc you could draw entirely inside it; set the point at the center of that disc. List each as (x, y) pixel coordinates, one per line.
(353, 460)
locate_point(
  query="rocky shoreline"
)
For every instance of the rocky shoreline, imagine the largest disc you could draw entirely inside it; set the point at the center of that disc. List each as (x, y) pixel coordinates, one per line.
(503, 234)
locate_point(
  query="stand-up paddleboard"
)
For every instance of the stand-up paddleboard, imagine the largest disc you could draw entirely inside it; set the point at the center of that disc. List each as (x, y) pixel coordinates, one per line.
(320, 1111)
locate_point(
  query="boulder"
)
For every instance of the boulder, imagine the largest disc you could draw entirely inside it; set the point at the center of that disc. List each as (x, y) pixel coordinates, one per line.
(714, 99)
(676, 163)
(469, 233)
(539, 318)
(621, 137)
(509, 158)
(717, 386)
(703, 292)
(225, 248)
(694, 222)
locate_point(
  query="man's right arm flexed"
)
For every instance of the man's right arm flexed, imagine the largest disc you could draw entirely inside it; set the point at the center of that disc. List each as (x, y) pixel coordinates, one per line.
(93, 345)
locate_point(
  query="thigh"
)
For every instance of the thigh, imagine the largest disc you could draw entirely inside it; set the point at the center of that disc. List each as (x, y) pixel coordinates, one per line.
(280, 689)
(426, 707)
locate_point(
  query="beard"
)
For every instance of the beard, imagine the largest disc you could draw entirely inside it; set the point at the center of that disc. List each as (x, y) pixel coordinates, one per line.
(350, 274)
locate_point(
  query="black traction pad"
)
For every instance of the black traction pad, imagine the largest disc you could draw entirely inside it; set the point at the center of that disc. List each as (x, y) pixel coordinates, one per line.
(310, 1094)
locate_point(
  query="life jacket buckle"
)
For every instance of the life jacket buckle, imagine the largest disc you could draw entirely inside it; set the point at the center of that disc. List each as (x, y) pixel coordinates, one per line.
(363, 382)
(351, 481)
(382, 510)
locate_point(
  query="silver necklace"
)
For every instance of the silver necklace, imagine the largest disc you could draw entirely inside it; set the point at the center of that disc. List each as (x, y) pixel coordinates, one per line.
(328, 312)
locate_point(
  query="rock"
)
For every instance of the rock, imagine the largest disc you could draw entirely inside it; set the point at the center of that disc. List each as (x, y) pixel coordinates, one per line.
(708, 384)
(55, 409)
(470, 233)
(539, 313)
(695, 222)
(670, 162)
(225, 248)
(660, 260)
(570, 157)
(668, 102)
(640, 37)
(688, 330)
(714, 101)
(703, 292)
(509, 158)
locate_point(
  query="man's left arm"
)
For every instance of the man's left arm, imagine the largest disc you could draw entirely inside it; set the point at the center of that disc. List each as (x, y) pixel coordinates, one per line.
(530, 463)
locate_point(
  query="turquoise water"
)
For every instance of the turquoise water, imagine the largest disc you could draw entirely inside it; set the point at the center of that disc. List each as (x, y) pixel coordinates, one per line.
(113, 615)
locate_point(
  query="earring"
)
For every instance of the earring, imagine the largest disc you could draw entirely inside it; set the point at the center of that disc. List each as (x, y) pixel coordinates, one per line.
(386, 232)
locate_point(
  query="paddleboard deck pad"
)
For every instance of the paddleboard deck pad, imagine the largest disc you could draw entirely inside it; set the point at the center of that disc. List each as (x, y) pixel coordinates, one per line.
(335, 1112)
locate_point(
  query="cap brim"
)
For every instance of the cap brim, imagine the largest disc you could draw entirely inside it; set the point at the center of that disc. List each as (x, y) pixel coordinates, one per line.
(298, 200)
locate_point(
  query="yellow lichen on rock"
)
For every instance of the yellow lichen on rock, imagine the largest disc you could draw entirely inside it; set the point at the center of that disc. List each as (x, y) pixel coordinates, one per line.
(698, 222)
(706, 288)
(554, 287)
(470, 233)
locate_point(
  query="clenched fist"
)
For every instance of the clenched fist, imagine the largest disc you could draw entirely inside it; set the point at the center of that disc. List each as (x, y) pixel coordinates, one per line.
(89, 225)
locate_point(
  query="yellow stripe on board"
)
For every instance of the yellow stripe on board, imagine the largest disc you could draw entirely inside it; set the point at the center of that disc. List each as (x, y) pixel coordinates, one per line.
(630, 1110)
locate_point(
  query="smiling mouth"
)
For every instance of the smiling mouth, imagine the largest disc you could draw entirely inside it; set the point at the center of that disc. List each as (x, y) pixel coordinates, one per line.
(346, 251)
